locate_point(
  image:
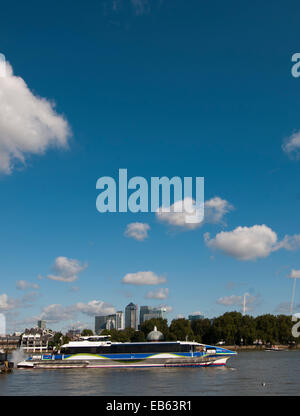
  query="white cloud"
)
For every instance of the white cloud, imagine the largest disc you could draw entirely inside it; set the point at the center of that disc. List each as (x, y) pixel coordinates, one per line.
(197, 313)
(234, 300)
(23, 285)
(143, 278)
(28, 124)
(137, 230)
(66, 270)
(295, 274)
(292, 145)
(250, 243)
(7, 303)
(161, 293)
(290, 242)
(28, 298)
(95, 307)
(214, 212)
(56, 312)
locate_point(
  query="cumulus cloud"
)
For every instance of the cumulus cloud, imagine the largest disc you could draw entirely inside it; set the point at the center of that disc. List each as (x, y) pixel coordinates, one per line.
(292, 145)
(295, 274)
(95, 307)
(143, 278)
(290, 242)
(66, 270)
(7, 303)
(28, 123)
(161, 293)
(137, 230)
(250, 243)
(214, 211)
(28, 299)
(24, 285)
(55, 313)
(234, 300)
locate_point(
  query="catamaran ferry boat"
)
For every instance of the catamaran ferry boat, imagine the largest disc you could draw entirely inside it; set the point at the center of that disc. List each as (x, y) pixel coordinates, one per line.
(100, 352)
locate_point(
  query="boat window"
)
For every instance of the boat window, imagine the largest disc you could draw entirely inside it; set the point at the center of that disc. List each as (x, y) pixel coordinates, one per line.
(151, 348)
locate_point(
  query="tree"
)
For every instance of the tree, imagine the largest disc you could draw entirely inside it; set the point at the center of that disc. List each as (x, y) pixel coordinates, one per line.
(87, 333)
(57, 339)
(228, 327)
(248, 330)
(202, 329)
(138, 336)
(181, 329)
(124, 335)
(65, 339)
(266, 328)
(284, 328)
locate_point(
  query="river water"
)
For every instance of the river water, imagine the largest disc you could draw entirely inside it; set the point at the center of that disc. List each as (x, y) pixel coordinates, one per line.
(248, 373)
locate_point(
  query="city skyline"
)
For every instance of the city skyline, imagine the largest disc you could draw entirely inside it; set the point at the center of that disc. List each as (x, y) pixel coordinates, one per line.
(167, 90)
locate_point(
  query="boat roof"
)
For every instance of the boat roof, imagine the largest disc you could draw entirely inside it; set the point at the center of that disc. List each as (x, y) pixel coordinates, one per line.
(87, 343)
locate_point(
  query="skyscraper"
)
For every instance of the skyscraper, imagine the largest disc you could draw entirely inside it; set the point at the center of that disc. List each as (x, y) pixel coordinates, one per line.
(100, 323)
(148, 312)
(114, 321)
(131, 316)
(41, 324)
(143, 311)
(120, 320)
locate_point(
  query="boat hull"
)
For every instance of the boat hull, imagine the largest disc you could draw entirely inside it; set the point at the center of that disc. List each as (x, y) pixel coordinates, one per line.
(110, 363)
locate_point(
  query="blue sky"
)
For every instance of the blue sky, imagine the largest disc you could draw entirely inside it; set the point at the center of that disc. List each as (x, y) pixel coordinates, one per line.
(162, 88)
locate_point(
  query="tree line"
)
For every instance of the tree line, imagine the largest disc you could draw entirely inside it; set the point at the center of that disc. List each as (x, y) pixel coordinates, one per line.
(232, 328)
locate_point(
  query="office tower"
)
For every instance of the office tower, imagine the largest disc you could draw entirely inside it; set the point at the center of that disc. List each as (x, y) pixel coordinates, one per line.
(144, 310)
(158, 312)
(41, 324)
(114, 321)
(120, 320)
(100, 323)
(131, 316)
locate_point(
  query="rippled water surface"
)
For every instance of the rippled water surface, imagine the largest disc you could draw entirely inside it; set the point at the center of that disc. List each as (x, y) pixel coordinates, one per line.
(249, 373)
